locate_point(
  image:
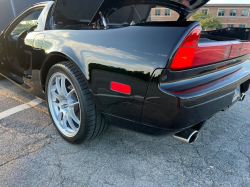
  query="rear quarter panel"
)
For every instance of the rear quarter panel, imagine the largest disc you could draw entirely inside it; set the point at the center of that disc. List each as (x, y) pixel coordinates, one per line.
(126, 55)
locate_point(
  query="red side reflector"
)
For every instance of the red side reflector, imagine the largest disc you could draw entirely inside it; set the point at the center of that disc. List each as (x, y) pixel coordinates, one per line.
(122, 88)
(192, 54)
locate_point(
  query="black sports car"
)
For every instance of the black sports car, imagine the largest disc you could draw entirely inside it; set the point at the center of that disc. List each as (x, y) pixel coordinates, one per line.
(96, 62)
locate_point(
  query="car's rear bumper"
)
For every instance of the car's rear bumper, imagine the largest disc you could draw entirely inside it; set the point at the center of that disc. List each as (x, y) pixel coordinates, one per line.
(185, 103)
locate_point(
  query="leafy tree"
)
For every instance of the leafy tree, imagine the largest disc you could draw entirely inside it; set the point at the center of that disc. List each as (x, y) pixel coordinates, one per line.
(206, 20)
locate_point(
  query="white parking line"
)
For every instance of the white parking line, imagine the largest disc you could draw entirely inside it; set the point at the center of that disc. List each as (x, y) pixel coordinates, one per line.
(20, 108)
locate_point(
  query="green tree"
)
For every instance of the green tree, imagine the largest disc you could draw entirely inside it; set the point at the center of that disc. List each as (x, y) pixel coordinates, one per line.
(206, 20)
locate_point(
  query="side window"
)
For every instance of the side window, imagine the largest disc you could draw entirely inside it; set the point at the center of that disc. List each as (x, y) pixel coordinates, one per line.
(242, 25)
(221, 12)
(233, 12)
(205, 11)
(158, 12)
(167, 12)
(244, 13)
(27, 23)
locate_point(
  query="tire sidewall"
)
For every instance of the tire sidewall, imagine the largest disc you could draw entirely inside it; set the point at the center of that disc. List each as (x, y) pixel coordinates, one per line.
(59, 68)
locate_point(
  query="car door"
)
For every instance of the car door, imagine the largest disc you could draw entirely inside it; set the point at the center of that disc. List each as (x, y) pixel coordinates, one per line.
(15, 61)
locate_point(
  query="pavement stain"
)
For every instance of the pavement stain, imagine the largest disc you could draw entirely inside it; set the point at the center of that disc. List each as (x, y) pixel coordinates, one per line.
(24, 151)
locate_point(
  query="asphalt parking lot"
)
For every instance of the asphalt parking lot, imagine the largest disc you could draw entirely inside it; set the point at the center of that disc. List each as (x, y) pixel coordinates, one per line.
(33, 154)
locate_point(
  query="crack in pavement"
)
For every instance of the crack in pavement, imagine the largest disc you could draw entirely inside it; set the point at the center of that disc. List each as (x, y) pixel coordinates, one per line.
(24, 151)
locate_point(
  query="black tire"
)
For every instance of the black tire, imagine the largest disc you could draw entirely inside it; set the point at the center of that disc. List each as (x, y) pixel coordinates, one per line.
(93, 123)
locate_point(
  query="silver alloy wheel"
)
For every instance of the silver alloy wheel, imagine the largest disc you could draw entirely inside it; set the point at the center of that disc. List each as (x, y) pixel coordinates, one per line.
(64, 104)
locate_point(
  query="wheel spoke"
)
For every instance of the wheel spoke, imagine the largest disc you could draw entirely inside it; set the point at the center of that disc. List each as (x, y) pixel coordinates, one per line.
(74, 117)
(71, 123)
(58, 86)
(63, 86)
(59, 117)
(55, 103)
(64, 123)
(70, 93)
(73, 104)
(55, 94)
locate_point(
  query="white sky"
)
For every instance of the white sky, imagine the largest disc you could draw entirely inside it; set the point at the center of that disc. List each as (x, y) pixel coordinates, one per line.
(229, 1)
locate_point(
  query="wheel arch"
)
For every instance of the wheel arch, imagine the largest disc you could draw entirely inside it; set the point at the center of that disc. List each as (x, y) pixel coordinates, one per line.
(51, 60)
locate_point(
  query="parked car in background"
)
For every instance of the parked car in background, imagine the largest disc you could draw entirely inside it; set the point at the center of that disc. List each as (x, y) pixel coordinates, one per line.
(100, 62)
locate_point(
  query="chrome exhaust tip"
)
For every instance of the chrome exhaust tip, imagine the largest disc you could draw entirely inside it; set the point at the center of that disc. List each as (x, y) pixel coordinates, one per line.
(242, 97)
(186, 136)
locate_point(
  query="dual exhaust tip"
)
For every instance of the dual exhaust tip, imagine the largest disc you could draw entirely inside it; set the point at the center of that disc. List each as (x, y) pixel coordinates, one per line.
(186, 136)
(190, 135)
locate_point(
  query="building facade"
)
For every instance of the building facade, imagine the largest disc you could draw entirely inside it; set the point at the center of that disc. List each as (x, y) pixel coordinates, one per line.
(163, 14)
(231, 15)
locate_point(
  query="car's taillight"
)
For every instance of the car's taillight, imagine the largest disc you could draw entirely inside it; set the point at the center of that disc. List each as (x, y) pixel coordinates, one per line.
(192, 54)
(239, 48)
(185, 55)
(245, 48)
(210, 53)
